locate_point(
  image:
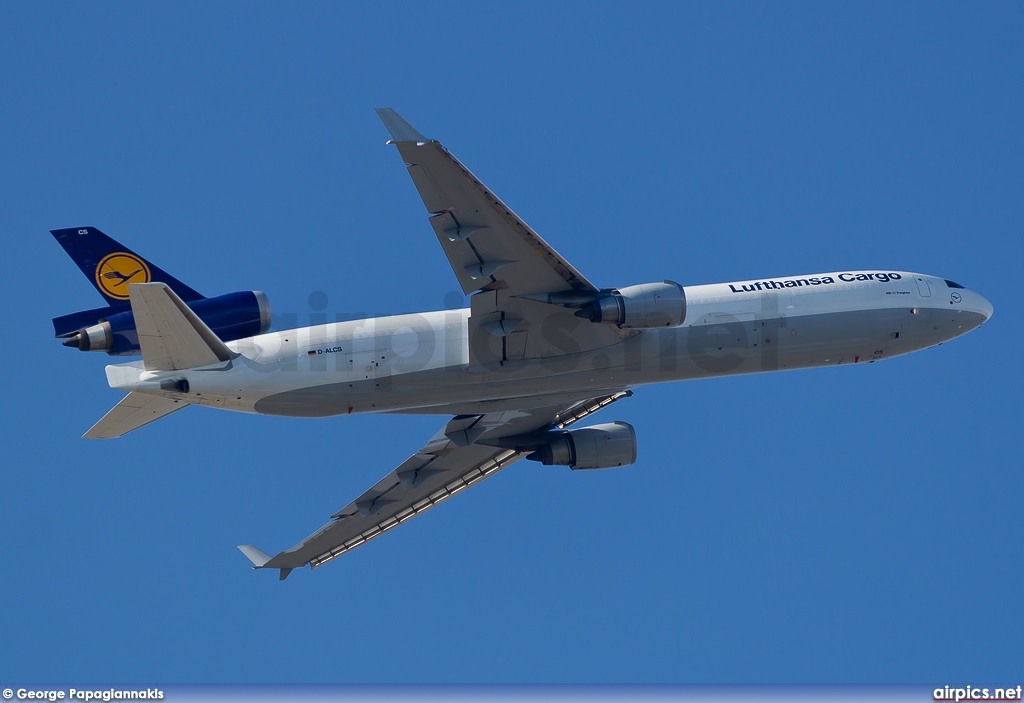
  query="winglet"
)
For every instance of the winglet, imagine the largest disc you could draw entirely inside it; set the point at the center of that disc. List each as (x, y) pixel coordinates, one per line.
(400, 130)
(257, 556)
(259, 559)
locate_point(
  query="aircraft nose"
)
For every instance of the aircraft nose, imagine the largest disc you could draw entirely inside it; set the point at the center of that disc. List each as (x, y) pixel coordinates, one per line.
(974, 310)
(984, 307)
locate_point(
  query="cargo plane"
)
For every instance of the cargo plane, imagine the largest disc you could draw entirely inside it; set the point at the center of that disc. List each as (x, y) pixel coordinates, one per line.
(538, 351)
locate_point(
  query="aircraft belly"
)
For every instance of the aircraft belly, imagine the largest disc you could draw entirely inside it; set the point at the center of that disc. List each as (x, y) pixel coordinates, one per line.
(342, 397)
(931, 326)
(417, 391)
(721, 347)
(738, 346)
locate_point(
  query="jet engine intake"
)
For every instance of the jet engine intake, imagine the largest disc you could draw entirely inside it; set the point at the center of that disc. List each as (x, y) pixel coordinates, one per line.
(639, 307)
(601, 446)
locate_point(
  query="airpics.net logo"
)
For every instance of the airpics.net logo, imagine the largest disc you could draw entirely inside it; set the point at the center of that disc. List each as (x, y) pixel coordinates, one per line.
(977, 693)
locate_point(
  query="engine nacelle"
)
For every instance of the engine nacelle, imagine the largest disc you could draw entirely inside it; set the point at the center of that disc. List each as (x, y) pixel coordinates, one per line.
(601, 446)
(231, 316)
(647, 305)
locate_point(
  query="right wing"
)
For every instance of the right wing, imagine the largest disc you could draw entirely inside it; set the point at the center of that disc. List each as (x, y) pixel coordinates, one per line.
(525, 291)
(464, 452)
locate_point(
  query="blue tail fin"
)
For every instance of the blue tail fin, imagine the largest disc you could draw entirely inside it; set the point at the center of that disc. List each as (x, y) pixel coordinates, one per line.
(111, 266)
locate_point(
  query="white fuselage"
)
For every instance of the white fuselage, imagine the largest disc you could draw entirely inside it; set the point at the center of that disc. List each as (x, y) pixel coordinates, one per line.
(419, 363)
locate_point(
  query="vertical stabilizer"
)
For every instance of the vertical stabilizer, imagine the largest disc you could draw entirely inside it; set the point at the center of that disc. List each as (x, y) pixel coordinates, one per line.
(110, 266)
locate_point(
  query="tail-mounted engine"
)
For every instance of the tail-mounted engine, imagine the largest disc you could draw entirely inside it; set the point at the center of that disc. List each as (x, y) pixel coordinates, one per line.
(602, 446)
(643, 306)
(112, 330)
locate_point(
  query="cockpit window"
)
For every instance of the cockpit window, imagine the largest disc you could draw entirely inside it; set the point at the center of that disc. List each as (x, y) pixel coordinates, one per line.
(951, 284)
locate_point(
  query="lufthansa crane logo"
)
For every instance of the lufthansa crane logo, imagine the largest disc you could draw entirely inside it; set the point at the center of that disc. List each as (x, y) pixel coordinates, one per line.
(115, 271)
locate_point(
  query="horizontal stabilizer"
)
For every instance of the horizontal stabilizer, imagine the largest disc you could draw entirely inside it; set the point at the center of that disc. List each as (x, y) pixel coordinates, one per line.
(134, 411)
(171, 336)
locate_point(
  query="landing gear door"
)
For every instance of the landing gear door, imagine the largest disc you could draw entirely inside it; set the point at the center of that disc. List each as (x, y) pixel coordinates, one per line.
(923, 286)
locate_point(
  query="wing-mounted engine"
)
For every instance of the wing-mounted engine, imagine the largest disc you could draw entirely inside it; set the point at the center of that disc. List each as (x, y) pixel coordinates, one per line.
(112, 330)
(639, 307)
(603, 446)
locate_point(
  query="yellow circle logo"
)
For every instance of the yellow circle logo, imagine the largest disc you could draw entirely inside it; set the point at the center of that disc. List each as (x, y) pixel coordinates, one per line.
(117, 270)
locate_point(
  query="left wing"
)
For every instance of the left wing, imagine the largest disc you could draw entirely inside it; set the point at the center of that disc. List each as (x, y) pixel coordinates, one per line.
(468, 449)
(525, 291)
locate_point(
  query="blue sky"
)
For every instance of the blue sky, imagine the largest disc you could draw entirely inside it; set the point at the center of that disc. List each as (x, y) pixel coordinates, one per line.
(845, 524)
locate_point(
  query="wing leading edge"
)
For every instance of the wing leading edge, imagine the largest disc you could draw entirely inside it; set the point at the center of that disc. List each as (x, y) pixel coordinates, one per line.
(462, 453)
